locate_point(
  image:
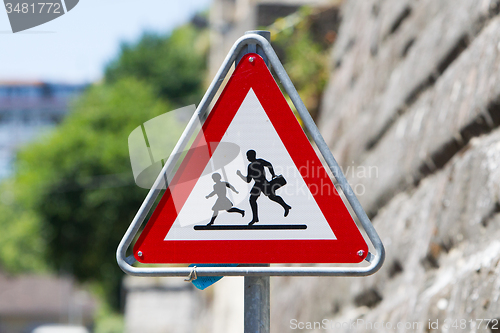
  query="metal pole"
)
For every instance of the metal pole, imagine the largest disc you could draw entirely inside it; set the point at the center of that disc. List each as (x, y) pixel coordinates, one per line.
(257, 304)
(257, 289)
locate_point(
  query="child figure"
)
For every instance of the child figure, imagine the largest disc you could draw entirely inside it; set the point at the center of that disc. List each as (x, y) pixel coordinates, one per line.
(222, 202)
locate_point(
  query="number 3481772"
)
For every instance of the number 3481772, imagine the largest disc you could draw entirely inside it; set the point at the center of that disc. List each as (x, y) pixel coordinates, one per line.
(38, 8)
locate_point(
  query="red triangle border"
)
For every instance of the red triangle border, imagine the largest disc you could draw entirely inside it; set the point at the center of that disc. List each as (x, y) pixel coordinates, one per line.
(345, 249)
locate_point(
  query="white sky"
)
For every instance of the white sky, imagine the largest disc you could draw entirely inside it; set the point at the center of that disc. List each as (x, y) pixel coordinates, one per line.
(75, 47)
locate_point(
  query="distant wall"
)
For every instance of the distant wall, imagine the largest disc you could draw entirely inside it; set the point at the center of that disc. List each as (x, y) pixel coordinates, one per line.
(415, 93)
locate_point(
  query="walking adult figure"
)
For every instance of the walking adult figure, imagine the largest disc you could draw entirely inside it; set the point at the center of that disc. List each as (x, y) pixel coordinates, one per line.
(257, 172)
(222, 203)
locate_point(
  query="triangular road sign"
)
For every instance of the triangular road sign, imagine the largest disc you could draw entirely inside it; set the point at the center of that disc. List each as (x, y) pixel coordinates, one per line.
(223, 204)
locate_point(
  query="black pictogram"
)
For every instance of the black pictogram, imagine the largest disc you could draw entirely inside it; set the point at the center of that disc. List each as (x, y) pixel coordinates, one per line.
(257, 172)
(222, 203)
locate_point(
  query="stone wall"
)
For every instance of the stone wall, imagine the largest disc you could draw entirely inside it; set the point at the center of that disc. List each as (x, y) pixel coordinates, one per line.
(414, 92)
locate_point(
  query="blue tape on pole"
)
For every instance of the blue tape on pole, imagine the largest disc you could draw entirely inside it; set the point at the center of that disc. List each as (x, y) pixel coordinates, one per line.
(202, 282)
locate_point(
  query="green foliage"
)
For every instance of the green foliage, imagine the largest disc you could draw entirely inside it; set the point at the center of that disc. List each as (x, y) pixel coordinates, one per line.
(107, 320)
(110, 323)
(22, 246)
(305, 60)
(174, 65)
(79, 180)
(73, 195)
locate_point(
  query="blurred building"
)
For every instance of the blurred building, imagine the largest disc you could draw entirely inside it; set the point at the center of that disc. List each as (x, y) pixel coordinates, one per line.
(27, 110)
(229, 19)
(29, 301)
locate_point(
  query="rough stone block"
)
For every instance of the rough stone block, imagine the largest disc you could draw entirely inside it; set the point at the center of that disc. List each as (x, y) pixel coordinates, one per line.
(443, 254)
(440, 123)
(368, 92)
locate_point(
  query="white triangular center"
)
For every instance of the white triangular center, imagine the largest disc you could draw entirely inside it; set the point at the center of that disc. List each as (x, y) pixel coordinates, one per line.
(250, 129)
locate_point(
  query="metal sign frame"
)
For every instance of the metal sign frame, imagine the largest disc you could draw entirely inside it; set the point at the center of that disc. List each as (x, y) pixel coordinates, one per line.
(251, 41)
